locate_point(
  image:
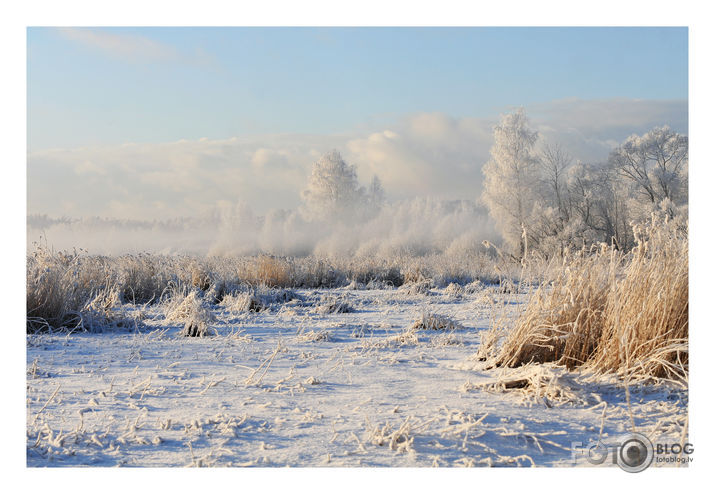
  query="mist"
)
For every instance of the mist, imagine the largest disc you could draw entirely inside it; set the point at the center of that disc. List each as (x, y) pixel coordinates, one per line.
(247, 195)
(417, 227)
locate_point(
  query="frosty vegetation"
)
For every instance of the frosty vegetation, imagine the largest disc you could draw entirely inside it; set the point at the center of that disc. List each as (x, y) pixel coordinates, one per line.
(541, 201)
(455, 322)
(545, 202)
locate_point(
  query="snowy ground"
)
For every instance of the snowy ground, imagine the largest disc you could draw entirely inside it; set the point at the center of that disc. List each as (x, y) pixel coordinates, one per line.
(292, 386)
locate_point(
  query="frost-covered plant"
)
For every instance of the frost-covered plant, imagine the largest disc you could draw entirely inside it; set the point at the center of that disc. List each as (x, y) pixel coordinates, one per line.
(408, 337)
(144, 278)
(330, 304)
(400, 440)
(417, 288)
(60, 285)
(432, 320)
(195, 329)
(454, 290)
(313, 335)
(474, 287)
(256, 299)
(242, 302)
(182, 307)
(610, 311)
(264, 270)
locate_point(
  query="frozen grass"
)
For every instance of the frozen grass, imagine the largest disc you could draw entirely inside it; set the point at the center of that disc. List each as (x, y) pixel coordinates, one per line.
(182, 307)
(267, 271)
(434, 321)
(62, 287)
(454, 290)
(540, 384)
(242, 302)
(418, 287)
(611, 312)
(330, 304)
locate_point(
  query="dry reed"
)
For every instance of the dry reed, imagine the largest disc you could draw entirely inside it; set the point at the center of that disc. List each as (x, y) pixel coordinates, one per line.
(610, 312)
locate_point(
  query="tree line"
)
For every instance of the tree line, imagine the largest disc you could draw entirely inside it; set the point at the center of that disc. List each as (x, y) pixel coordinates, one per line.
(543, 201)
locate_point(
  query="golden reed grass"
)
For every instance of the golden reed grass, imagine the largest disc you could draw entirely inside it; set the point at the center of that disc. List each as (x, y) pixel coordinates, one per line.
(266, 270)
(611, 312)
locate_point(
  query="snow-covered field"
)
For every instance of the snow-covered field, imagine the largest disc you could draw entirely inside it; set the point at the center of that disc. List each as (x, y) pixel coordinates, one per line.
(300, 385)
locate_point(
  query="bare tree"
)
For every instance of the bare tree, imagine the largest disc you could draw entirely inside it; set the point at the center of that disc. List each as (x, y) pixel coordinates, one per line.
(555, 162)
(599, 205)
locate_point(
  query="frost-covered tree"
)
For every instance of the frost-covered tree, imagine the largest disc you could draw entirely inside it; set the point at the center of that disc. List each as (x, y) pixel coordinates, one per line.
(544, 203)
(511, 178)
(334, 193)
(655, 164)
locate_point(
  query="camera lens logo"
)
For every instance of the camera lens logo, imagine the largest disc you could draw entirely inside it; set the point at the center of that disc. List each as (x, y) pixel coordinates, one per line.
(635, 453)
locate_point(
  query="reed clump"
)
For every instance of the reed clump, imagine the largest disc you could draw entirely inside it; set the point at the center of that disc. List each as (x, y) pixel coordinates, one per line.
(266, 270)
(612, 312)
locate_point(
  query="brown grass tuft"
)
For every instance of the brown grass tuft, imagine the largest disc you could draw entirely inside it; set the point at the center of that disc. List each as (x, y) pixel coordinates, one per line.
(266, 270)
(611, 312)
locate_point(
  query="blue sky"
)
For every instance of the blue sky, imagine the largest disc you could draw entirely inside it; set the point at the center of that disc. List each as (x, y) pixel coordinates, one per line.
(114, 85)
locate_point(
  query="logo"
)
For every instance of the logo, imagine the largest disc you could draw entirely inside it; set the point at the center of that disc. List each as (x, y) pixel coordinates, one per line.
(633, 452)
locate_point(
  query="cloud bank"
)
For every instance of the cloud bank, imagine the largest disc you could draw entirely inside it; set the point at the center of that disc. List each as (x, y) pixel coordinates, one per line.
(422, 155)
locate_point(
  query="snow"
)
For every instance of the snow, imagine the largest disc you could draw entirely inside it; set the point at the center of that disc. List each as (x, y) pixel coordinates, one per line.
(297, 385)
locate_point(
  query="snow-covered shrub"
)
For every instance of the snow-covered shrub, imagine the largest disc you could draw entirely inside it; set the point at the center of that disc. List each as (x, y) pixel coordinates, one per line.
(417, 288)
(195, 329)
(105, 312)
(454, 290)
(432, 320)
(189, 307)
(330, 304)
(475, 286)
(242, 302)
(217, 291)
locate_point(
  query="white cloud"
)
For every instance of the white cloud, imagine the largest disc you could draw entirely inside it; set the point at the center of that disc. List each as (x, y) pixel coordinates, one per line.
(130, 47)
(423, 154)
(591, 128)
(427, 154)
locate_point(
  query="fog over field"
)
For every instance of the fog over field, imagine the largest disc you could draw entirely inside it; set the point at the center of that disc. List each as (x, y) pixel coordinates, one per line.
(243, 195)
